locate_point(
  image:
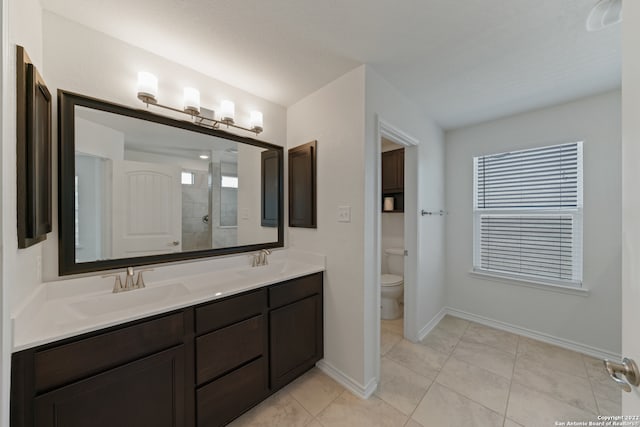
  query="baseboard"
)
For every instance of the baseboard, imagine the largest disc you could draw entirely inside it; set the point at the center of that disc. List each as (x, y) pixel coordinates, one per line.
(550, 339)
(347, 382)
(432, 324)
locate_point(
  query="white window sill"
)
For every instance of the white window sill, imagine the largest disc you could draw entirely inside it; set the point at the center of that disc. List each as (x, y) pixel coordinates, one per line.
(530, 283)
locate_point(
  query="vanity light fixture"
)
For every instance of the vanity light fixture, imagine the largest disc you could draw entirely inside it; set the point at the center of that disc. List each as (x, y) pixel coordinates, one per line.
(204, 156)
(148, 93)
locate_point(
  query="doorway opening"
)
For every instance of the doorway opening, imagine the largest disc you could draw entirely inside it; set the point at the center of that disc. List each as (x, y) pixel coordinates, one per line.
(396, 242)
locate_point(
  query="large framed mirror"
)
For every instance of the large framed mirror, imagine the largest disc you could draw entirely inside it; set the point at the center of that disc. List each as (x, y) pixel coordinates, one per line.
(137, 188)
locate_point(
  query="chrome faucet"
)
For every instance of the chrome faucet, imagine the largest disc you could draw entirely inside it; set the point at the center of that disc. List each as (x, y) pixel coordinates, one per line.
(260, 258)
(129, 283)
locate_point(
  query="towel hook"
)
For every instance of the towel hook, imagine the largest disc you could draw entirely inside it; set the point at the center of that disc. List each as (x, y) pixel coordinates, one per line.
(440, 212)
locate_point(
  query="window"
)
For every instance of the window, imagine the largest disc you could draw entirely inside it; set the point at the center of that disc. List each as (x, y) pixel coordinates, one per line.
(528, 214)
(228, 200)
(229, 181)
(188, 178)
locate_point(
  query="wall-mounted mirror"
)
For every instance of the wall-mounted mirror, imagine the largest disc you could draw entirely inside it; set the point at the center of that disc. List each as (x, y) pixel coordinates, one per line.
(138, 188)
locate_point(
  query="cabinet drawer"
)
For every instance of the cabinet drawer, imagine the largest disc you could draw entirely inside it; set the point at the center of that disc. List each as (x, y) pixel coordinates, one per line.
(234, 309)
(295, 290)
(226, 398)
(70, 362)
(221, 351)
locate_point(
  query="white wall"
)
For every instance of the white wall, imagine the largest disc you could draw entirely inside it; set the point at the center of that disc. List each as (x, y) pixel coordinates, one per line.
(591, 320)
(630, 194)
(348, 145)
(392, 233)
(334, 116)
(21, 25)
(426, 234)
(85, 61)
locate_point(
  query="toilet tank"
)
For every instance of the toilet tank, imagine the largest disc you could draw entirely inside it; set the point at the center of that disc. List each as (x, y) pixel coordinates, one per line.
(395, 261)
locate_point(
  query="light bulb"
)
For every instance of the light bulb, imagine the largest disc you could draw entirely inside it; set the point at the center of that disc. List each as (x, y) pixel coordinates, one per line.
(227, 111)
(255, 122)
(191, 101)
(147, 87)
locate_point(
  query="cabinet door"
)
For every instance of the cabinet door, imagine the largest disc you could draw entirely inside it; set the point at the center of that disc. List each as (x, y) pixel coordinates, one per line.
(296, 339)
(393, 171)
(400, 169)
(302, 185)
(148, 392)
(389, 172)
(270, 162)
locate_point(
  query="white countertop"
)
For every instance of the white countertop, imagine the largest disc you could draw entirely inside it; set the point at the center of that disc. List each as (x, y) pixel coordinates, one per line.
(66, 308)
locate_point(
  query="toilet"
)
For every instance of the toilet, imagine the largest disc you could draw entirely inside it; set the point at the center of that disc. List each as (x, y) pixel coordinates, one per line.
(392, 284)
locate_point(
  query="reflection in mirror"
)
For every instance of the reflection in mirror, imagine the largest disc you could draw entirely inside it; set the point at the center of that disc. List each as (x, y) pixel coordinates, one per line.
(145, 189)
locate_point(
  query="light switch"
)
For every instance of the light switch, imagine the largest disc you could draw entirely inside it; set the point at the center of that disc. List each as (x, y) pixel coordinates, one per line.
(344, 213)
(244, 213)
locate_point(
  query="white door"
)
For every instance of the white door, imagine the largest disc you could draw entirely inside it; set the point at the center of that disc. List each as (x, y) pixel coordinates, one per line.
(147, 209)
(631, 196)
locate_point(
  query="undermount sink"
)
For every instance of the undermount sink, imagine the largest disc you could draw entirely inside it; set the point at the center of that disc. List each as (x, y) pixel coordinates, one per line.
(111, 303)
(274, 268)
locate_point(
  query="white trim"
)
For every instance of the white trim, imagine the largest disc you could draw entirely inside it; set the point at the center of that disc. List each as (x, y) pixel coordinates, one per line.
(539, 336)
(530, 283)
(395, 134)
(362, 391)
(432, 324)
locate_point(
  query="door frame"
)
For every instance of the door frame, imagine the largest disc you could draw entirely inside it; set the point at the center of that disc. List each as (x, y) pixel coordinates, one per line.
(411, 224)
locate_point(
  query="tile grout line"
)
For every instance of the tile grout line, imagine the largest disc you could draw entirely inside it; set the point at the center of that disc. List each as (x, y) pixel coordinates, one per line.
(551, 395)
(513, 374)
(472, 400)
(433, 381)
(593, 392)
(410, 416)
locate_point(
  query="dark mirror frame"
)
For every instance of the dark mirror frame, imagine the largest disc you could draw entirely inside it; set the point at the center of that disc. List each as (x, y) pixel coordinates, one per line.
(67, 101)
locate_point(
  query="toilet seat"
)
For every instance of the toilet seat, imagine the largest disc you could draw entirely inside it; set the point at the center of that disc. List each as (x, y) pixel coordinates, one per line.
(391, 280)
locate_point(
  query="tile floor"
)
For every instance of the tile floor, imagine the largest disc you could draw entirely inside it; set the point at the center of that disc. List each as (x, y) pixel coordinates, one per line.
(461, 374)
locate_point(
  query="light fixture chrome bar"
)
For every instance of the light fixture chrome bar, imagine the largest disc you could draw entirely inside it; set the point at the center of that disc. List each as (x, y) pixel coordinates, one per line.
(197, 118)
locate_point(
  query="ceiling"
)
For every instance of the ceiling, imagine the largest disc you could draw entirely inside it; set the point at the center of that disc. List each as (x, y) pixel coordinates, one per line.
(461, 62)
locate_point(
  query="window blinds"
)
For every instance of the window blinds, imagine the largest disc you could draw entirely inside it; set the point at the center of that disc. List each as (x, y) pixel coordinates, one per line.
(528, 213)
(540, 178)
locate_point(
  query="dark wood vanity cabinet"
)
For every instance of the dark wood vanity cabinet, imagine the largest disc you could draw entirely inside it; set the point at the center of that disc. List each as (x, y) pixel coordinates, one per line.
(200, 366)
(296, 328)
(126, 376)
(231, 357)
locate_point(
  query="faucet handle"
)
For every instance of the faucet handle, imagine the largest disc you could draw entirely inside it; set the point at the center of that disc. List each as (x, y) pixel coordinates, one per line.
(265, 259)
(117, 286)
(140, 280)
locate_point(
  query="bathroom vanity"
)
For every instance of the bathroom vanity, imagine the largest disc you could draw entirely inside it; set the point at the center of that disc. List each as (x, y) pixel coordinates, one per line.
(233, 342)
